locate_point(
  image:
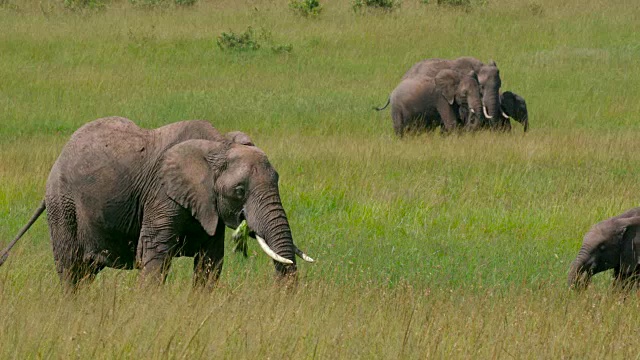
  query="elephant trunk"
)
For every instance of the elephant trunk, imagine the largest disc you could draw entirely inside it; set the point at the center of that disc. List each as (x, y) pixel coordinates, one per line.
(581, 270)
(491, 104)
(267, 219)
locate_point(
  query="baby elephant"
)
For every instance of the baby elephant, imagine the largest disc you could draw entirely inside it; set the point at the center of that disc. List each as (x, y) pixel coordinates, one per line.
(610, 244)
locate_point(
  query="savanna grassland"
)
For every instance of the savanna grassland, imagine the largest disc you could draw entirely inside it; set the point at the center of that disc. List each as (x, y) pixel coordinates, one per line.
(427, 247)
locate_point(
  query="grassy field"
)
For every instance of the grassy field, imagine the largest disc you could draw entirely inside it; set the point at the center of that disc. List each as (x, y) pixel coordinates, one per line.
(428, 247)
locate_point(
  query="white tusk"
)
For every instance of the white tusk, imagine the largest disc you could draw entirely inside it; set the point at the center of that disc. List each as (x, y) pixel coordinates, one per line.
(505, 115)
(486, 114)
(472, 111)
(304, 256)
(271, 253)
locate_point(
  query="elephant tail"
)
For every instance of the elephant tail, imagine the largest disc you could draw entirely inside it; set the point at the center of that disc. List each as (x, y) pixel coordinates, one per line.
(4, 254)
(385, 105)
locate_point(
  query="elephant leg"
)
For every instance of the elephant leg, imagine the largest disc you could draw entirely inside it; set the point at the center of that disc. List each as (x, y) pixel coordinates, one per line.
(207, 263)
(448, 116)
(68, 245)
(155, 252)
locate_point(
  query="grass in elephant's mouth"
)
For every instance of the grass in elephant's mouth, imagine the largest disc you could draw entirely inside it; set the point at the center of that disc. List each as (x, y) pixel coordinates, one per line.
(426, 247)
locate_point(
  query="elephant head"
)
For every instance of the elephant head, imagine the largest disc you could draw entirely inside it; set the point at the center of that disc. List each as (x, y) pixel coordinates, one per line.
(240, 138)
(463, 89)
(490, 82)
(610, 244)
(231, 182)
(515, 107)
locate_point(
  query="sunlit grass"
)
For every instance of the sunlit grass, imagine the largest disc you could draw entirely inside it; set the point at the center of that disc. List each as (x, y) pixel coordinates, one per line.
(427, 247)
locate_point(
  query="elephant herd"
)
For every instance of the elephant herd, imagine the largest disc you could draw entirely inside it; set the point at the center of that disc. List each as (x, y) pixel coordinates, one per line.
(450, 94)
(124, 197)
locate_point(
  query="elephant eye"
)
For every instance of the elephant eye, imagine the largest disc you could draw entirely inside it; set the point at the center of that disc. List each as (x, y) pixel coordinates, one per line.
(239, 190)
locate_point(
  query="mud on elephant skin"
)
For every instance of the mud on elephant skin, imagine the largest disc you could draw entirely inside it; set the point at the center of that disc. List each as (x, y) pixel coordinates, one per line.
(425, 103)
(125, 197)
(610, 244)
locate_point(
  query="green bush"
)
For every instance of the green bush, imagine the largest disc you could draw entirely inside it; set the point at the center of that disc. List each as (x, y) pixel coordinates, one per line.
(306, 7)
(239, 42)
(161, 3)
(251, 40)
(454, 2)
(84, 4)
(380, 4)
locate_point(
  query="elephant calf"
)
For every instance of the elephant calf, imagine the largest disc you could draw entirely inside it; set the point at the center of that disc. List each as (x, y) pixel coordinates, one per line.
(125, 197)
(610, 244)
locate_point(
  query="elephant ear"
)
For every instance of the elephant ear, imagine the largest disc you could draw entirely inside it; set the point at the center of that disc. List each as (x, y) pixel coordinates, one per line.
(508, 103)
(188, 173)
(447, 83)
(629, 244)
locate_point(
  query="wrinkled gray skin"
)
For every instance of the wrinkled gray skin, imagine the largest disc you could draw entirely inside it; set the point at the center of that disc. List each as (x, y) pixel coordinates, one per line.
(488, 77)
(610, 244)
(124, 197)
(511, 104)
(423, 103)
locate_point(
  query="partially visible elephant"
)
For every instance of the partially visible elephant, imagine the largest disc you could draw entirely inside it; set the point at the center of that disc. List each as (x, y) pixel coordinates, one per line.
(488, 77)
(512, 105)
(125, 197)
(610, 244)
(240, 138)
(424, 103)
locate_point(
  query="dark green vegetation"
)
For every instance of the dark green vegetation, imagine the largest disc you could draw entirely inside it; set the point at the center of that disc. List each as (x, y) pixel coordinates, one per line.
(429, 246)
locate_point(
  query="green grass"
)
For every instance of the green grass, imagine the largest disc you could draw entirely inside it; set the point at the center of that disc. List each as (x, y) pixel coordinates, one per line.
(427, 247)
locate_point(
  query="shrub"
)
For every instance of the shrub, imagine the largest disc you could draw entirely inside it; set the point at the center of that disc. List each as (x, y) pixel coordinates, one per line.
(380, 4)
(454, 2)
(84, 4)
(161, 3)
(238, 42)
(306, 7)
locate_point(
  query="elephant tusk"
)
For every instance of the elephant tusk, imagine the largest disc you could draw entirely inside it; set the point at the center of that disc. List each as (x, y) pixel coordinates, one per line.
(486, 114)
(472, 111)
(271, 253)
(505, 115)
(304, 256)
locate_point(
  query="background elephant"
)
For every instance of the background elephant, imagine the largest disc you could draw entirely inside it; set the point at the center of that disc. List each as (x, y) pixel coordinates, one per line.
(424, 103)
(124, 197)
(610, 244)
(488, 77)
(512, 106)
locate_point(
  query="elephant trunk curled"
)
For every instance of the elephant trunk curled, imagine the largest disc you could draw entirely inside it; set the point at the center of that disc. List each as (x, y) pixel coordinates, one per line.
(266, 218)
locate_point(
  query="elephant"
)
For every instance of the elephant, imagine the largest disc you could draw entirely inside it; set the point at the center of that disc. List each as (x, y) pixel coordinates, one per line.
(610, 244)
(488, 77)
(125, 197)
(424, 103)
(240, 138)
(512, 106)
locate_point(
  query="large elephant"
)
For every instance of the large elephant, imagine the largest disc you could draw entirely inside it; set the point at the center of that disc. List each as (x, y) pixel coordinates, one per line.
(424, 103)
(125, 197)
(488, 77)
(610, 244)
